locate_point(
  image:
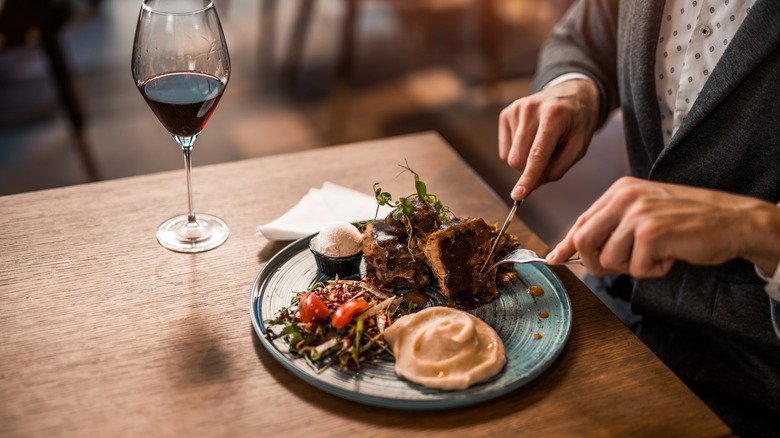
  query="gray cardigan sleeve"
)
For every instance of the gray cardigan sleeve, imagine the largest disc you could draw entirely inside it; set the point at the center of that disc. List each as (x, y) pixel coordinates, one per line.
(584, 41)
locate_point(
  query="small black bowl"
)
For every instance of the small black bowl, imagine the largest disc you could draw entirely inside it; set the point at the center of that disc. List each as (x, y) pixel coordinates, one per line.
(333, 266)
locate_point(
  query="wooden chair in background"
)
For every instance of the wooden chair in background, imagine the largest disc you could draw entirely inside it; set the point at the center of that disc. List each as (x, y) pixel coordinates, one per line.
(418, 13)
(33, 22)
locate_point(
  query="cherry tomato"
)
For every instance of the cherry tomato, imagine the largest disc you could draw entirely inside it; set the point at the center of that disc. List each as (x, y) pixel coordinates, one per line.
(347, 311)
(312, 308)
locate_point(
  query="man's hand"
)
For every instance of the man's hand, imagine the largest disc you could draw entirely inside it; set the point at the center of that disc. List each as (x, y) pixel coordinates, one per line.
(544, 134)
(641, 227)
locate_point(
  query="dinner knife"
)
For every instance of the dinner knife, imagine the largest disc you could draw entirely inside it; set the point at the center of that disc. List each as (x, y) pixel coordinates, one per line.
(501, 233)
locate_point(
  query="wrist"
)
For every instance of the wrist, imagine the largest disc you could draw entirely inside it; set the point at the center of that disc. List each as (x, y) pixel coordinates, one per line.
(761, 242)
(589, 96)
(591, 92)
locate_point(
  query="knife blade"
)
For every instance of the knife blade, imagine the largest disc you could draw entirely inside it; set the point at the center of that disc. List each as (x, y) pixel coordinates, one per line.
(501, 233)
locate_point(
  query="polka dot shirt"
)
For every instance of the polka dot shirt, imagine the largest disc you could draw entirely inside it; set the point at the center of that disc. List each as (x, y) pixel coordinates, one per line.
(693, 36)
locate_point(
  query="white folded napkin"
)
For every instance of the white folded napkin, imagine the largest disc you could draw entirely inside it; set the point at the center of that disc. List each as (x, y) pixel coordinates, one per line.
(319, 207)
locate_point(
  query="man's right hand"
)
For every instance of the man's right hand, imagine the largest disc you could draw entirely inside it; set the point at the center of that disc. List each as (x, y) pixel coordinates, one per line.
(544, 134)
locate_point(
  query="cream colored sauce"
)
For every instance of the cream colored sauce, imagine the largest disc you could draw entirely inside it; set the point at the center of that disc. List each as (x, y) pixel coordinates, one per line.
(445, 348)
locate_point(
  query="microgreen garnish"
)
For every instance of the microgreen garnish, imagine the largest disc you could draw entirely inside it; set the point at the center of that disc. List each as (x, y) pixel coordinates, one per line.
(404, 206)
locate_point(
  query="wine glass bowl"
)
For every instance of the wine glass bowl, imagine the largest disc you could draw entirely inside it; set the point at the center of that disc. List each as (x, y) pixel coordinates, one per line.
(181, 66)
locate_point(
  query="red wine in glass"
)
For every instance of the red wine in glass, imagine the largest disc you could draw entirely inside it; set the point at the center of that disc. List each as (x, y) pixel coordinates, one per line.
(183, 101)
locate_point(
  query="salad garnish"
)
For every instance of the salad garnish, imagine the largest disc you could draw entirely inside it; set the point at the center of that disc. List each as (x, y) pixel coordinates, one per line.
(339, 322)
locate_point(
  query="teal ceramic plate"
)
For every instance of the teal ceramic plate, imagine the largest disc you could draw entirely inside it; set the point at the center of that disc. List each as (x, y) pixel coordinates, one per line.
(514, 316)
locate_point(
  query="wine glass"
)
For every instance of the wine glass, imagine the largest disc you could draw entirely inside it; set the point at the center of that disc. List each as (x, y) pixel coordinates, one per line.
(181, 67)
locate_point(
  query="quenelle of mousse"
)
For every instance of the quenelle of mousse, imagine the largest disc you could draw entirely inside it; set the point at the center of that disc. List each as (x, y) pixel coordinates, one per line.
(441, 347)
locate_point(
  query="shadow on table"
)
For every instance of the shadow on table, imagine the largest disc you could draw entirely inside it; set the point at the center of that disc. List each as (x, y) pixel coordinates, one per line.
(508, 404)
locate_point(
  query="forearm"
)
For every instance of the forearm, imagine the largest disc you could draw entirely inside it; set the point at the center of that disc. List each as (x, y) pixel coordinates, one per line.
(758, 231)
(585, 41)
(761, 236)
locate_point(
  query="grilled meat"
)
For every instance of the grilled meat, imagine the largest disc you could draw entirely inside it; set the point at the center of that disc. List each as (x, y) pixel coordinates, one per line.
(386, 252)
(411, 250)
(456, 255)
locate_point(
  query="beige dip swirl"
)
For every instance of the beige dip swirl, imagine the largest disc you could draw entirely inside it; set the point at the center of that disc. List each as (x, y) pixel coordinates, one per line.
(440, 347)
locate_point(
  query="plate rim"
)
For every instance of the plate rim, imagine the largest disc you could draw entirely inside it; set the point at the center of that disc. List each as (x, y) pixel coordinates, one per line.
(384, 402)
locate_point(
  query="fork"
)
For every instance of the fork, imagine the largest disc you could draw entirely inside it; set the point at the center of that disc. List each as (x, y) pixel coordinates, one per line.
(523, 255)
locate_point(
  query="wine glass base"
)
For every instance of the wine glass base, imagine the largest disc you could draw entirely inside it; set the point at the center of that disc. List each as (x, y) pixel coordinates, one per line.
(207, 232)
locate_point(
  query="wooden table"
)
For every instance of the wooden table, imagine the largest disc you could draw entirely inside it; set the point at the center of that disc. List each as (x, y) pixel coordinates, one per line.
(105, 333)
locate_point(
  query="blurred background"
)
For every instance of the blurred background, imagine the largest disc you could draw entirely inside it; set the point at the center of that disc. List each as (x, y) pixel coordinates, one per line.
(305, 74)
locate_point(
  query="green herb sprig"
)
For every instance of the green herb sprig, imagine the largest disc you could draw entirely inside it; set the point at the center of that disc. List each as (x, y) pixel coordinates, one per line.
(404, 206)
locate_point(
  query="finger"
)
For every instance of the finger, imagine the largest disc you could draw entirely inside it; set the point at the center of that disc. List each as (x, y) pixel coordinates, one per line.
(572, 151)
(523, 136)
(506, 125)
(563, 250)
(593, 236)
(547, 137)
(646, 259)
(565, 247)
(645, 265)
(616, 253)
(598, 205)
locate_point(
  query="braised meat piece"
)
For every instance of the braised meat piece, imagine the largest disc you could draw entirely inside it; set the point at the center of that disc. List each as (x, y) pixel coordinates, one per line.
(423, 221)
(386, 252)
(456, 255)
(415, 246)
(509, 242)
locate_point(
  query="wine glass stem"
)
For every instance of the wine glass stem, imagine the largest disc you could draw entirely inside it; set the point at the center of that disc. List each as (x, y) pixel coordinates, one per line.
(188, 166)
